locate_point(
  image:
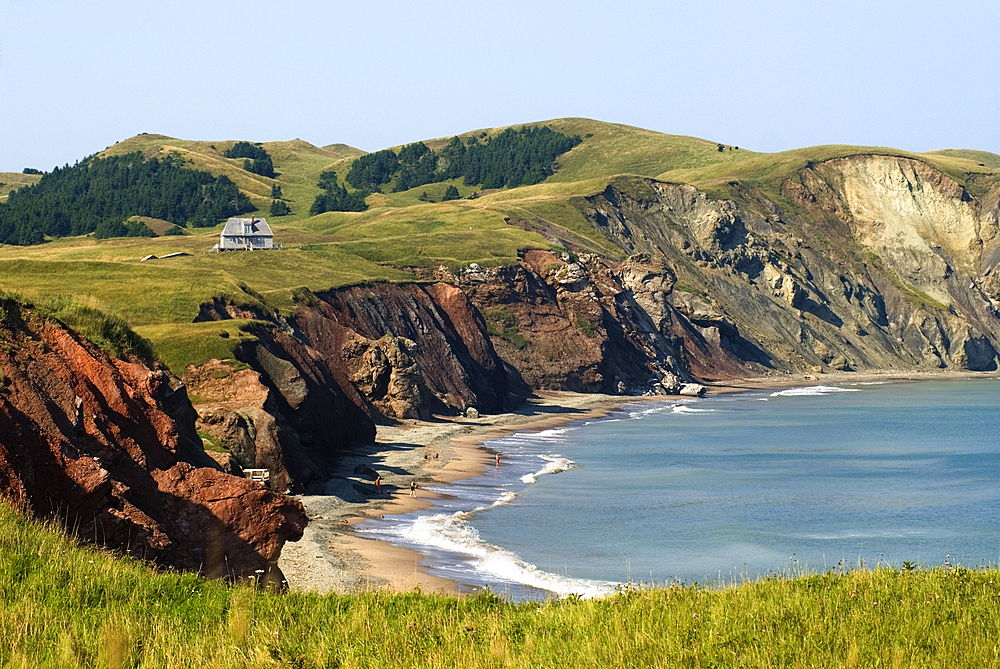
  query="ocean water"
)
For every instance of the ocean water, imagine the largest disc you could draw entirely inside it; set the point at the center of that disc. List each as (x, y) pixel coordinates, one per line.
(726, 488)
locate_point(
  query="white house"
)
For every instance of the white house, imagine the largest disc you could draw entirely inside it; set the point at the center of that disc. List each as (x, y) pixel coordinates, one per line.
(249, 234)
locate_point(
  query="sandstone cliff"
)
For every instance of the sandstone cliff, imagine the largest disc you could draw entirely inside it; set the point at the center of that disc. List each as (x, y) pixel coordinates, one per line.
(109, 447)
(445, 351)
(319, 381)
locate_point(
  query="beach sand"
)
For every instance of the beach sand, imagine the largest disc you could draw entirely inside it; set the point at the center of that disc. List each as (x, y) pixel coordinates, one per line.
(330, 558)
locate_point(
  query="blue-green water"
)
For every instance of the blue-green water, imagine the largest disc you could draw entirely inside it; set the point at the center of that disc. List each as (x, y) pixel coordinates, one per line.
(726, 488)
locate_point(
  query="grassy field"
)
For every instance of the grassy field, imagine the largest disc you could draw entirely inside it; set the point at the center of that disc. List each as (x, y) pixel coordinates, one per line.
(66, 606)
(771, 169)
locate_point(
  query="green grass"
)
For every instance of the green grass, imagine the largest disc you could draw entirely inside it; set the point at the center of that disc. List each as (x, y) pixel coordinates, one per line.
(452, 233)
(212, 443)
(982, 158)
(108, 276)
(621, 149)
(771, 169)
(66, 606)
(178, 345)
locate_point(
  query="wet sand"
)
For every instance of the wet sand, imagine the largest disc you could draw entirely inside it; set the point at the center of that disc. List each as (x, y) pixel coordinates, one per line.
(330, 558)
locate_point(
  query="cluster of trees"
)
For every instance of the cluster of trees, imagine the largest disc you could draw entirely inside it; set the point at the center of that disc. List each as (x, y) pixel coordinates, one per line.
(257, 160)
(335, 197)
(278, 205)
(372, 170)
(108, 229)
(98, 194)
(512, 158)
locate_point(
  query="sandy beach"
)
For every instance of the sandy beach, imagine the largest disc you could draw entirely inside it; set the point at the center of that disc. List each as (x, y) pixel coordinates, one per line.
(330, 558)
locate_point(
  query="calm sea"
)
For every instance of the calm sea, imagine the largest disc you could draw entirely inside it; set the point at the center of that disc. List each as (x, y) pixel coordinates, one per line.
(726, 488)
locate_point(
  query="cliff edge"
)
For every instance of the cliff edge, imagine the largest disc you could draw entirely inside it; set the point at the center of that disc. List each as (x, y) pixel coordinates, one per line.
(109, 448)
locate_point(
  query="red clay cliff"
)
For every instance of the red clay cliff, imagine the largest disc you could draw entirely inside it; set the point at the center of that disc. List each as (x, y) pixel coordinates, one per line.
(109, 447)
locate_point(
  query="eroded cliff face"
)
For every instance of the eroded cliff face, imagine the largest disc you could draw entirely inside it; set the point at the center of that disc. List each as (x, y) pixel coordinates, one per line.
(869, 262)
(408, 349)
(319, 381)
(287, 413)
(585, 324)
(109, 448)
(861, 263)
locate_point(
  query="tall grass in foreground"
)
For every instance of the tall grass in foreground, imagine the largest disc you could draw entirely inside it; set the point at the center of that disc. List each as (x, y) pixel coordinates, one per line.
(66, 606)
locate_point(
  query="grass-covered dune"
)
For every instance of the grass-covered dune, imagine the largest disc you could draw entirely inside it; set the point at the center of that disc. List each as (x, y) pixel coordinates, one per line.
(66, 606)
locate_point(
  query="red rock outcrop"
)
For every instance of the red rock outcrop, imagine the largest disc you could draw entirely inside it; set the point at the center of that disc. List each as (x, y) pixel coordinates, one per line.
(453, 351)
(108, 447)
(579, 325)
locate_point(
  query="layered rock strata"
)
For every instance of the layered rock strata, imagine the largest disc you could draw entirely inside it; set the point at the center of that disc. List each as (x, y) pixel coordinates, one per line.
(109, 447)
(867, 262)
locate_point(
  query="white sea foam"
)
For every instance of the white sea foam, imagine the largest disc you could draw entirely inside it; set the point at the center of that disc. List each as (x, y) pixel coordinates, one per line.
(505, 498)
(813, 391)
(684, 408)
(452, 533)
(554, 464)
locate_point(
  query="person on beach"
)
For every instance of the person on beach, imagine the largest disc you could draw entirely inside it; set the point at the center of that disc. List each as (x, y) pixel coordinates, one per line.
(413, 488)
(378, 484)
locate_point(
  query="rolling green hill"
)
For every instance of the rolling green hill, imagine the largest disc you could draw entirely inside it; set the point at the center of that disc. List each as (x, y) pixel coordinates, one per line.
(400, 231)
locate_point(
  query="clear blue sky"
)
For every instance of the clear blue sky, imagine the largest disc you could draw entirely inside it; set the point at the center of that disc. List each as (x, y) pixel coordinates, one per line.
(76, 77)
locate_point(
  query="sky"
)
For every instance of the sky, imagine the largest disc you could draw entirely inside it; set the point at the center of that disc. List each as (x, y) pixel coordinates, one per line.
(76, 77)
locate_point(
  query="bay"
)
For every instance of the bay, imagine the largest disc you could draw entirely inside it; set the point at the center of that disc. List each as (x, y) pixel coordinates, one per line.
(727, 488)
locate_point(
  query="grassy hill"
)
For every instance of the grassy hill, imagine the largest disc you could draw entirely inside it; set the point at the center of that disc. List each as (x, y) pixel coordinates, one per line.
(67, 606)
(398, 232)
(297, 162)
(981, 158)
(13, 180)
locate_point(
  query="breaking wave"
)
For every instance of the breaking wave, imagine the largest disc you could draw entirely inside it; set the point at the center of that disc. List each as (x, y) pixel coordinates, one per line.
(452, 533)
(813, 391)
(554, 464)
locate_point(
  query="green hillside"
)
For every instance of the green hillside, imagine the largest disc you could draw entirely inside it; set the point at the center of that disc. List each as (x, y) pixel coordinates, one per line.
(399, 233)
(297, 162)
(982, 158)
(68, 606)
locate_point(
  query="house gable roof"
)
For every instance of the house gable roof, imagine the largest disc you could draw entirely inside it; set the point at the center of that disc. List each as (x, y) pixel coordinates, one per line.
(237, 227)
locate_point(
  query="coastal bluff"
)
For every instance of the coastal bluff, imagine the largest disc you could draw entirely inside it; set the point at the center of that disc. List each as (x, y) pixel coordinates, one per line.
(108, 448)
